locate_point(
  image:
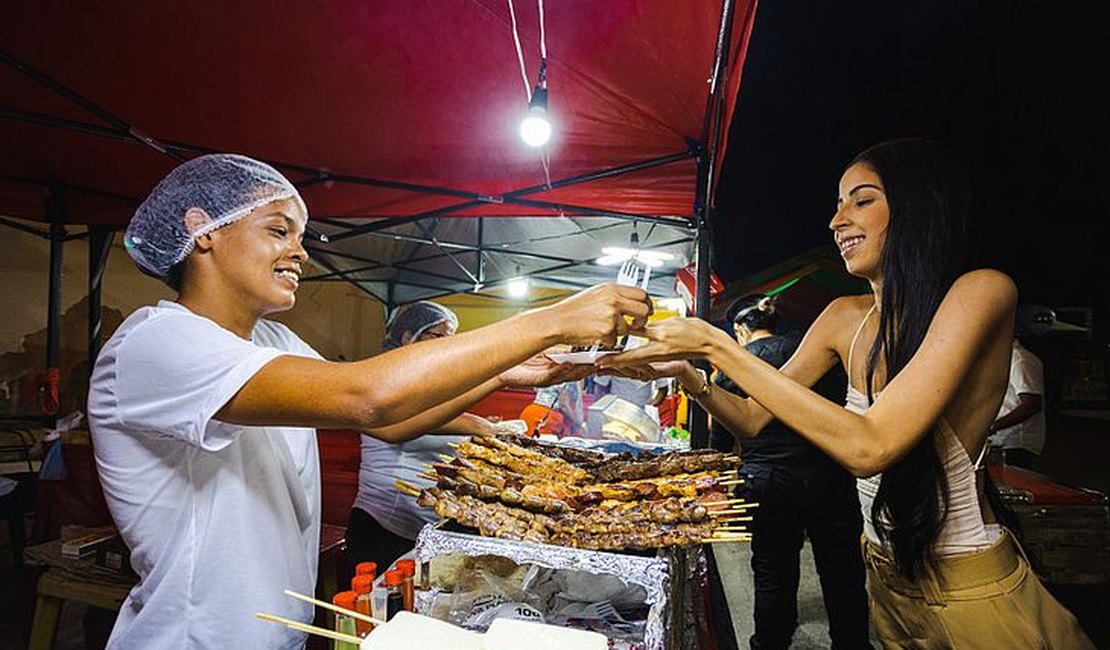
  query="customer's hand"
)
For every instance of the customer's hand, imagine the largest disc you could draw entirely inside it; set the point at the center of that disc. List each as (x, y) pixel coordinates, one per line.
(668, 340)
(539, 371)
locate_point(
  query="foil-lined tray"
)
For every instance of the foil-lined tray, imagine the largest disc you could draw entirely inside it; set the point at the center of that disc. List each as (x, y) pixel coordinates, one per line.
(653, 574)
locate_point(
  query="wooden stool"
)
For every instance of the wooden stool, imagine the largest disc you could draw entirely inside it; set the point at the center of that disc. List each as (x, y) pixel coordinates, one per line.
(56, 587)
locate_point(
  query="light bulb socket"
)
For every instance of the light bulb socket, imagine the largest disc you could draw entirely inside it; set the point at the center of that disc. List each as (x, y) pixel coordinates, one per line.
(539, 99)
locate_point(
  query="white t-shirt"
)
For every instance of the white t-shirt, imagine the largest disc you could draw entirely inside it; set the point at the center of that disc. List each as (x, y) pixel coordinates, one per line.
(220, 518)
(1026, 376)
(382, 465)
(630, 390)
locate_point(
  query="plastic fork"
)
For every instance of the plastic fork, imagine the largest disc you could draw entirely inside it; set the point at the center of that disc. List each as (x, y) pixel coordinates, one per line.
(632, 273)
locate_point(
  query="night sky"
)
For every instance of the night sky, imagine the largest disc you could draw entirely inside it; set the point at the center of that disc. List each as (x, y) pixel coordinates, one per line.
(1020, 88)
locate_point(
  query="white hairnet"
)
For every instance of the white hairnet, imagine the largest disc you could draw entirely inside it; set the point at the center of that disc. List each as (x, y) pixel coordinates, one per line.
(416, 318)
(226, 186)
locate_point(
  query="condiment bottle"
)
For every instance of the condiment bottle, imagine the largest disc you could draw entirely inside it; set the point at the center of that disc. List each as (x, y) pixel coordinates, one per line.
(344, 624)
(408, 568)
(363, 586)
(395, 600)
(367, 569)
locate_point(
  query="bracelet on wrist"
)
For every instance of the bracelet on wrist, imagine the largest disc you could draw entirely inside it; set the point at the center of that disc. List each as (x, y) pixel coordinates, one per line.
(705, 388)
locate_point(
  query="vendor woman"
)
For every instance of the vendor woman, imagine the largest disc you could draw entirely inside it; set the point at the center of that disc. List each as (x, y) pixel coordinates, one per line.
(202, 412)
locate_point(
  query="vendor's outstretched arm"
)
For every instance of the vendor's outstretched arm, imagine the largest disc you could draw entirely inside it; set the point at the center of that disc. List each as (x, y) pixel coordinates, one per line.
(447, 418)
(402, 383)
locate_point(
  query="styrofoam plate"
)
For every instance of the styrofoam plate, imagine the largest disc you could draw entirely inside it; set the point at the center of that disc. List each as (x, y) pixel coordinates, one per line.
(585, 356)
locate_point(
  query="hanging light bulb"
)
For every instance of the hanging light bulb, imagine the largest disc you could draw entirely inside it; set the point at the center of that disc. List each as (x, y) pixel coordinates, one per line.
(518, 287)
(535, 130)
(613, 255)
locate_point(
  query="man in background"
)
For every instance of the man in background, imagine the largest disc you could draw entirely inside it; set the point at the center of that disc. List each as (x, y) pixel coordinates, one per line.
(1020, 427)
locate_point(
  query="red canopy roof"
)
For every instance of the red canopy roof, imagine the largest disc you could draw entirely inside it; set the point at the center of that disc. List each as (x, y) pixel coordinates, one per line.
(352, 92)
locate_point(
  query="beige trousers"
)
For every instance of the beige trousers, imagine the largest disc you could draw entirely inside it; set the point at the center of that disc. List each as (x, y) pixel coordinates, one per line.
(986, 599)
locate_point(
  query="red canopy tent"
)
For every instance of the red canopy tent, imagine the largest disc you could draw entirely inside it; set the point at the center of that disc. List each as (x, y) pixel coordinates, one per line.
(379, 109)
(390, 116)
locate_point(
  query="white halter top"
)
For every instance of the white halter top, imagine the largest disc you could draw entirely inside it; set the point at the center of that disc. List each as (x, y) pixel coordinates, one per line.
(963, 530)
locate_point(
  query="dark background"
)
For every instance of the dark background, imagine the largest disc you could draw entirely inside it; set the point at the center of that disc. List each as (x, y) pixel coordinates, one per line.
(1020, 88)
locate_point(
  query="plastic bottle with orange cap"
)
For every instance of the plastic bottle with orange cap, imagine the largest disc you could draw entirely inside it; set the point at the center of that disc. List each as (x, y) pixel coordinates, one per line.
(407, 568)
(363, 586)
(345, 624)
(395, 599)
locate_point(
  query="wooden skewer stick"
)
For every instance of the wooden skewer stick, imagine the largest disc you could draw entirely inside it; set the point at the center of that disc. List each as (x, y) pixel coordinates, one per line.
(453, 445)
(736, 506)
(428, 476)
(406, 488)
(445, 458)
(335, 608)
(726, 540)
(311, 629)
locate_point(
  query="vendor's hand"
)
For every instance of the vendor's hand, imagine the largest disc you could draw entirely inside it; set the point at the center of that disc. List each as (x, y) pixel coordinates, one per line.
(540, 371)
(668, 340)
(598, 314)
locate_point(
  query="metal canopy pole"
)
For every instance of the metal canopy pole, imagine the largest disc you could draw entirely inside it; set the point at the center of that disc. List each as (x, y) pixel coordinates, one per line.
(121, 127)
(100, 244)
(55, 211)
(481, 253)
(703, 202)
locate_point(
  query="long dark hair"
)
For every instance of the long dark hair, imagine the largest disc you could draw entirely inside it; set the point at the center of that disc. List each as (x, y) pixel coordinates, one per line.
(929, 243)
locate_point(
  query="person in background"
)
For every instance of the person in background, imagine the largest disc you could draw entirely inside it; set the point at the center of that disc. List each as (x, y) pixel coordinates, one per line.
(1020, 427)
(801, 493)
(927, 353)
(384, 521)
(203, 412)
(635, 391)
(557, 410)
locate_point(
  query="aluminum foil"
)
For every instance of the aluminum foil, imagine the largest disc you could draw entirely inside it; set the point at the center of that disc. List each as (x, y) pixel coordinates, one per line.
(653, 574)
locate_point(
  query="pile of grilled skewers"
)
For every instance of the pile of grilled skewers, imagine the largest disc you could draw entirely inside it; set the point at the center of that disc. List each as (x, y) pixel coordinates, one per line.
(512, 487)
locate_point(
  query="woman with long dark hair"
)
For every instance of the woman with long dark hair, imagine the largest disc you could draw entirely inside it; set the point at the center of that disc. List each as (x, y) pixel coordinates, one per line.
(927, 355)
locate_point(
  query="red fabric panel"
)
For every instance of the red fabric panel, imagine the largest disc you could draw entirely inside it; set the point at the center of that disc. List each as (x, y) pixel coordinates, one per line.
(504, 404)
(340, 455)
(78, 500)
(1040, 489)
(422, 91)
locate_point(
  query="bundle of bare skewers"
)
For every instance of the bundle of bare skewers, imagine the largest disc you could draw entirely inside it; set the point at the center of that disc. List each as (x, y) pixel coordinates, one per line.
(517, 488)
